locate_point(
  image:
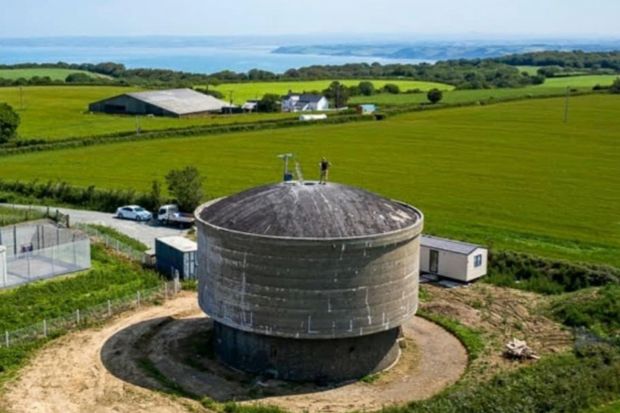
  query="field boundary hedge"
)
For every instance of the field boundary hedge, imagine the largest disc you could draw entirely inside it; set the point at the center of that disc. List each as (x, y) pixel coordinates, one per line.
(170, 133)
(39, 145)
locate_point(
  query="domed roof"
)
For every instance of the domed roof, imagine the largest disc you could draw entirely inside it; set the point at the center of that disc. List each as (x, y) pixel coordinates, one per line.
(309, 210)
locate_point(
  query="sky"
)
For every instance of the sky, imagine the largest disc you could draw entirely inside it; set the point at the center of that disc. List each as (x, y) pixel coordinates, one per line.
(531, 18)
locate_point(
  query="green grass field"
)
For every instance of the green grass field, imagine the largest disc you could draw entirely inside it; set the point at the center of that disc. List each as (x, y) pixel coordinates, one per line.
(56, 112)
(552, 86)
(256, 90)
(53, 73)
(511, 175)
(588, 81)
(530, 70)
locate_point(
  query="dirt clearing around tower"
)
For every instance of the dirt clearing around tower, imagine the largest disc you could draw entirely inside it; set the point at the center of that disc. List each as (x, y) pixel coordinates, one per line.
(105, 369)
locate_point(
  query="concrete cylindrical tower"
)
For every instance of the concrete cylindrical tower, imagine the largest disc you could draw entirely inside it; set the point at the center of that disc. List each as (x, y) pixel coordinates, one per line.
(308, 281)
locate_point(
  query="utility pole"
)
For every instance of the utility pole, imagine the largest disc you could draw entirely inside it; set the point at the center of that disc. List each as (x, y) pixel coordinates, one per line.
(138, 129)
(21, 98)
(566, 105)
(230, 98)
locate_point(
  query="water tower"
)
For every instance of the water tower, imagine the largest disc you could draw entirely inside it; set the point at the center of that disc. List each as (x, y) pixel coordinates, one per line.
(308, 282)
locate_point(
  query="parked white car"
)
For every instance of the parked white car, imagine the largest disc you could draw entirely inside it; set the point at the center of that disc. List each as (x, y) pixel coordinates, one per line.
(135, 212)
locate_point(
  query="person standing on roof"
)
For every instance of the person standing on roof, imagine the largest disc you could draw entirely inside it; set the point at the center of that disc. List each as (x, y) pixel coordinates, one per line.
(324, 165)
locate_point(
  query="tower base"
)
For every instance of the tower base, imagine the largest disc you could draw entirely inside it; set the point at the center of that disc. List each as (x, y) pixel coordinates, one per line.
(320, 361)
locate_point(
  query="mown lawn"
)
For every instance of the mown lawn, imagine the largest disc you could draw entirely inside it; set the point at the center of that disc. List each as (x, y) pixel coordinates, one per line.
(256, 90)
(57, 112)
(511, 175)
(53, 73)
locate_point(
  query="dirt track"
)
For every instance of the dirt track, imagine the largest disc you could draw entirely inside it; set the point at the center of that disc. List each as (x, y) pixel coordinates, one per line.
(69, 375)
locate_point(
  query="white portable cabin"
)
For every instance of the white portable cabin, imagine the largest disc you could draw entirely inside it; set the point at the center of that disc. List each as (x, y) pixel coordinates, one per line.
(456, 260)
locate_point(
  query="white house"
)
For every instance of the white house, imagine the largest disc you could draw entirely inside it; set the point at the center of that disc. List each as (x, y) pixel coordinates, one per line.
(456, 260)
(296, 102)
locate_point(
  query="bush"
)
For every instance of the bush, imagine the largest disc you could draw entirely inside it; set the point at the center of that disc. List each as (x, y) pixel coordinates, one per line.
(186, 186)
(78, 77)
(366, 88)
(269, 103)
(598, 311)
(546, 276)
(434, 95)
(560, 384)
(615, 87)
(391, 88)
(9, 122)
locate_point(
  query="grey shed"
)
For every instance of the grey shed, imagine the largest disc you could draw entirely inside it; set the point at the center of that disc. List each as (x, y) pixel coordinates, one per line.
(172, 102)
(176, 255)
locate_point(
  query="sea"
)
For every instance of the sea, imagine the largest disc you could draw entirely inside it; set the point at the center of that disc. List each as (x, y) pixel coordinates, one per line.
(191, 54)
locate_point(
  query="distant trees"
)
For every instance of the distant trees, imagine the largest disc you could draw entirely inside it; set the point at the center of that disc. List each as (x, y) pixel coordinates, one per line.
(211, 92)
(391, 88)
(186, 187)
(434, 96)
(366, 88)
(9, 122)
(269, 103)
(550, 71)
(577, 59)
(338, 93)
(78, 77)
(615, 87)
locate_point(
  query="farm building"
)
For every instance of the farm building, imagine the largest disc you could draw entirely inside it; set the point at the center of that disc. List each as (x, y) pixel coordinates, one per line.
(304, 102)
(250, 106)
(307, 281)
(174, 103)
(176, 256)
(456, 260)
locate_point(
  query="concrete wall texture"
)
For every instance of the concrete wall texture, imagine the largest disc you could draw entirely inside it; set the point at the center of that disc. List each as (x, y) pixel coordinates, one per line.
(300, 288)
(306, 360)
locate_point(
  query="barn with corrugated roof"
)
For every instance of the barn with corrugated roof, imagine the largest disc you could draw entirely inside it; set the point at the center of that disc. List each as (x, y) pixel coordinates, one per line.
(174, 103)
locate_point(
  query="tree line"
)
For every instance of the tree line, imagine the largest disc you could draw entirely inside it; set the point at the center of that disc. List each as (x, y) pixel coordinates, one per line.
(592, 61)
(463, 73)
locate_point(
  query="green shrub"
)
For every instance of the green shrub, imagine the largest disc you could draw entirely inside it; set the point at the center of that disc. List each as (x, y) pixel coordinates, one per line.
(559, 384)
(546, 276)
(597, 311)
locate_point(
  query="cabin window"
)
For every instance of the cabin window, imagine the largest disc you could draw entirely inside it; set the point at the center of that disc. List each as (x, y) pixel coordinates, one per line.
(478, 260)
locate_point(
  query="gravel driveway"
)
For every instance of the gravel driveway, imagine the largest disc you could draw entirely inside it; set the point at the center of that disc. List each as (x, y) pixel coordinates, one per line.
(143, 232)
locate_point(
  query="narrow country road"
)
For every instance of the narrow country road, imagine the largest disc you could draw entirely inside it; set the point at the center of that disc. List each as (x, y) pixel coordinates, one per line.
(143, 232)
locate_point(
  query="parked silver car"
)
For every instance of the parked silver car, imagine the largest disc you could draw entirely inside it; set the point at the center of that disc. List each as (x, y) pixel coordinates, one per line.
(135, 212)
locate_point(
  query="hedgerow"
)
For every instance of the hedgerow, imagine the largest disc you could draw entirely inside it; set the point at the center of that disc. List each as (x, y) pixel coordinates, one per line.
(546, 276)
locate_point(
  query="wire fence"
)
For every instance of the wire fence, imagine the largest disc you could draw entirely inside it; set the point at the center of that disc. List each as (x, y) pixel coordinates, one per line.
(40, 250)
(116, 245)
(84, 317)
